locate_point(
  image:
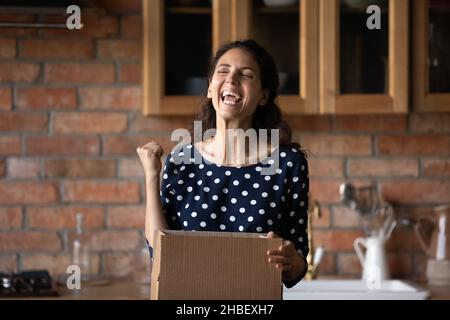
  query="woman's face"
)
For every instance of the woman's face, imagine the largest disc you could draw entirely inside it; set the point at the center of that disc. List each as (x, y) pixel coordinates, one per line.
(235, 87)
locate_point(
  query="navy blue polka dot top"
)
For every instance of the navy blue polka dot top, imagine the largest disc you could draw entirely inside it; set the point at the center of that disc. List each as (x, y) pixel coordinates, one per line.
(204, 196)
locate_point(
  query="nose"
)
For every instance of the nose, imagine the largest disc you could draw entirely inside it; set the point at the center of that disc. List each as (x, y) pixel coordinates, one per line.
(232, 78)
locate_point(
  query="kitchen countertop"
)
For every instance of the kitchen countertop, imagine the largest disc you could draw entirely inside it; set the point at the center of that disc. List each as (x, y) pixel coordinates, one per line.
(121, 289)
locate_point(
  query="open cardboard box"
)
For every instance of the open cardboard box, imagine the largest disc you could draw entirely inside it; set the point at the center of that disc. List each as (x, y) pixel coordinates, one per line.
(214, 266)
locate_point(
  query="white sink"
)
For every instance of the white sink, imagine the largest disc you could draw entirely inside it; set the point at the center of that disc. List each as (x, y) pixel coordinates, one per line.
(354, 290)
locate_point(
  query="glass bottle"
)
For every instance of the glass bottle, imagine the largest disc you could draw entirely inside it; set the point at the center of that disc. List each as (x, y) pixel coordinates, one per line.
(81, 250)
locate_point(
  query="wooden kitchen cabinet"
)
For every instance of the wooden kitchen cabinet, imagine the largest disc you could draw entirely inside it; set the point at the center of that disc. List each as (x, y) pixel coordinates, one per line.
(326, 66)
(431, 55)
(178, 39)
(363, 70)
(291, 35)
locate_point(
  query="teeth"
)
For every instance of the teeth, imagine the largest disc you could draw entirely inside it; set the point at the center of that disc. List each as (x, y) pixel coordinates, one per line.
(231, 93)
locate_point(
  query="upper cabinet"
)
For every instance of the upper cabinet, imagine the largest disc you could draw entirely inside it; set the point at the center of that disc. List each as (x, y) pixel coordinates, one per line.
(431, 54)
(330, 61)
(179, 38)
(290, 33)
(363, 64)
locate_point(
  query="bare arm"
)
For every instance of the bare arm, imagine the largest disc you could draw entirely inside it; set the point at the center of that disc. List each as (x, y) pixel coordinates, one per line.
(150, 156)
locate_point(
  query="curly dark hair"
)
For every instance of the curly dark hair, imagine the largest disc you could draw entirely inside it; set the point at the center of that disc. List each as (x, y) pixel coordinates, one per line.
(266, 116)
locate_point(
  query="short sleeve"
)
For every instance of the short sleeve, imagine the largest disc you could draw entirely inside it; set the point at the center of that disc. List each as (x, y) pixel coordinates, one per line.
(168, 193)
(296, 217)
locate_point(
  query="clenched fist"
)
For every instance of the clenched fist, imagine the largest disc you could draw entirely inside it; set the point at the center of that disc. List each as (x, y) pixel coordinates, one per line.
(150, 155)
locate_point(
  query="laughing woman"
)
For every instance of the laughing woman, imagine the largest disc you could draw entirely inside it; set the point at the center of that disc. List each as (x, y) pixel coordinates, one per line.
(224, 193)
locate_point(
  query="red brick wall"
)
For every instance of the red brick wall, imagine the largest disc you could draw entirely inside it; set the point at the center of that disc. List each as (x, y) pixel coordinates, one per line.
(70, 121)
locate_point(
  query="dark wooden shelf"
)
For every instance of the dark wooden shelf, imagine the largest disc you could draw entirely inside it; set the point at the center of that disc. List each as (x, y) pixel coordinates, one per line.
(189, 10)
(277, 10)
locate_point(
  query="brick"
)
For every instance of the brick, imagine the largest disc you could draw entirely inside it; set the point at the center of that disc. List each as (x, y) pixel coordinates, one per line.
(344, 217)
(7, 48)
(64, 146)
(17, 32)
(38, 98)
(28, 192)
(57, 49)
(126, 217)
(420, 267)
(310, 123)
(119, 49)
(55, 218)
(23, 168)
(436, 167)
(416, 191)
(132, 26)
(415, 145)
(383, 167)
(8, 263)
(131, 73)
(128, 98)
(126, 265)
(79, 168)
(324, 220)
(29, 241)
(10, 146)
(167, 124)
(337, 145)
(325, 191)
(403, 240)
(349, 264)
(18, 72)
(128, 145)
(336, 240)
(370, 123)
(10, 218)
(89, 122)
(326, 168)
(2, 168)
(23, 122)
(400, 265)
(79, 73)
(115, 240)
(94, 26)
(430, 122)
(328, 264)
(131, 168)
(96, 192)
(5, 99)
(55, 264)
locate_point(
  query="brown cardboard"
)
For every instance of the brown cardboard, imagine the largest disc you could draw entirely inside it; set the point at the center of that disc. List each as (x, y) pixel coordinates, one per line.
(214, 266)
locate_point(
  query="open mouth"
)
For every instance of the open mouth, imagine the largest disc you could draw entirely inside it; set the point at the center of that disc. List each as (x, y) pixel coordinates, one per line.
(230, 97)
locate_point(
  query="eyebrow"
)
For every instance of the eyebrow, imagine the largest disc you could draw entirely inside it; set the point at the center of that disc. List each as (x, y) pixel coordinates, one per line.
(227, 65)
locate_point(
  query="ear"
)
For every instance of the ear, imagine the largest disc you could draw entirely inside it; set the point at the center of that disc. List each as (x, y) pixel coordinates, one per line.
(209, 94)
(264, 98)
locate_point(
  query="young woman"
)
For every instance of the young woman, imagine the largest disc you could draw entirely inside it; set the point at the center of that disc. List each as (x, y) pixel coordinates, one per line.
(224, 193)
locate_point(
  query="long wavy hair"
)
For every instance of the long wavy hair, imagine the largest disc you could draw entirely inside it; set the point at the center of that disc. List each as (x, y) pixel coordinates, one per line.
(266, 116)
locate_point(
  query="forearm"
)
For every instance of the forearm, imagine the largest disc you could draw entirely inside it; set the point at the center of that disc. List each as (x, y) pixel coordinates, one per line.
(154, 215)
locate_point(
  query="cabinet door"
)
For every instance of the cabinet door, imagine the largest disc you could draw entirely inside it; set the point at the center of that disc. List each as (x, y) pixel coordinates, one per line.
(431, 55)
(178, 40)
(290, 34)
(362, 69)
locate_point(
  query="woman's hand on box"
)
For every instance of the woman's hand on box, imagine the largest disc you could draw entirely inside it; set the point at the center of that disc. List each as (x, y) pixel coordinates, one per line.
(286, 259)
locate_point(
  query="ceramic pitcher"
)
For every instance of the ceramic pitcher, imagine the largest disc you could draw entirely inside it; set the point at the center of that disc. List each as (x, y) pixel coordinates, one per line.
(436, 243)
(373, 260)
